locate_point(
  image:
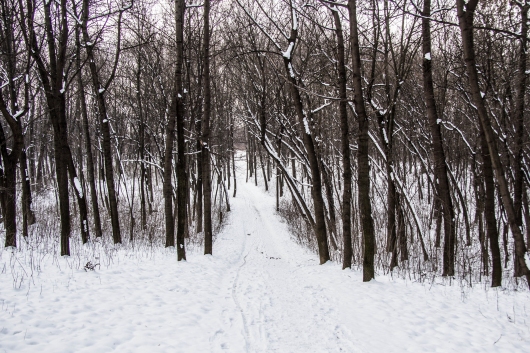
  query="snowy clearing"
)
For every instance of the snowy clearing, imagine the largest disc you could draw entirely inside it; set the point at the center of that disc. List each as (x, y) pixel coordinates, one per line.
(260, 292)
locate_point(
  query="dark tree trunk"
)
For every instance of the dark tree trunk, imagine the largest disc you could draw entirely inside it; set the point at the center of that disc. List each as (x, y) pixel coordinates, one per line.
(363, 178)
(278, 169)
(88, 143)
(28, 216)
(526, 216)
(304, 121)
(466, 13)
(199, 189)
(440, 168)
(326, 180)
(57, 105)
(8, 184)
(206, 167)
(168, 156)
(10, 199)
(489, 214)
(401, 231)
(263, 168)
(519, 123)
(233, 155)
(12, 114)
(141, 147)
(181, 157)
(255, 160)
(99, 92)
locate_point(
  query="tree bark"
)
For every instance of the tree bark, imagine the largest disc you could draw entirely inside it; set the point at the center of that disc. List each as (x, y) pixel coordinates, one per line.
(181, 157)
(465, 13)
(51, 76)
(206, 167)
(88, 143)
(304, 121)
(99, 92)
(492, 231)
(363, 178)
(28, 216)
(519, 123)
(440, 168)
(12, 114)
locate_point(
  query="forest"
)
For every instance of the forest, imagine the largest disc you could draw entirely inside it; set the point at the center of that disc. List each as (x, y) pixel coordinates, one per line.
(393, 134)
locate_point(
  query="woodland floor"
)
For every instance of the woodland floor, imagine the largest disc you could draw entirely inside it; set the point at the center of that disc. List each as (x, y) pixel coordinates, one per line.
(259, 292)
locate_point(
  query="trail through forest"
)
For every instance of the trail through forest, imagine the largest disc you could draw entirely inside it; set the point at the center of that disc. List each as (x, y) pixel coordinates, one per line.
(259, 292)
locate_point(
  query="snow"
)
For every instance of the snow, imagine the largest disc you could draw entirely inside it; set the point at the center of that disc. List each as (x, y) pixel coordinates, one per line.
(18, 114)
(384, 135)
(321, 107)
(78, 187)
(376, 144)
(101, 90)
(428, 56)
(291, 71)
(306, 126)
(287, 54)
(259, 292)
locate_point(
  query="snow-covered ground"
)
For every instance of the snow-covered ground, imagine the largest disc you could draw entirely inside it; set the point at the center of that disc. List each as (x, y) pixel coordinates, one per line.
(259, 292)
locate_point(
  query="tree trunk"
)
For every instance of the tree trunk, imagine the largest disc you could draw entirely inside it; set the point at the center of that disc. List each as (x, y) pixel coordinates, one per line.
(304, 121)
(363, 181)
(181, 157)
(440, 168)
(10, 199)
(489, 214)
(13, 115)
(28, 215)
(88, 144)
(8, 184)
(99, 92)
(141, 147)
(519, 123)
(233, 155)
(465, 19)
(206, 167)
(263, 168)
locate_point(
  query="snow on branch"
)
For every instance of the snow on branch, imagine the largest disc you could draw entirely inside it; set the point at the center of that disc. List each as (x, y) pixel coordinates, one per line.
(374, 140)
(321, 107)
(291, 182)
(287, 54)
(453, 127)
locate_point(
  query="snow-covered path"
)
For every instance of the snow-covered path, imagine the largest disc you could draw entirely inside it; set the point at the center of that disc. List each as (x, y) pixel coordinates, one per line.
(259, 292)
(283, 306)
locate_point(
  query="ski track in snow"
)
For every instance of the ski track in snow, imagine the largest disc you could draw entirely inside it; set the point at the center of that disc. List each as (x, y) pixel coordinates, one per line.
(259, 292)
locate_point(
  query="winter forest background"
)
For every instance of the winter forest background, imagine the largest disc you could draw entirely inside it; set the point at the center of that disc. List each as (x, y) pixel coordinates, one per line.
(393, 134)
